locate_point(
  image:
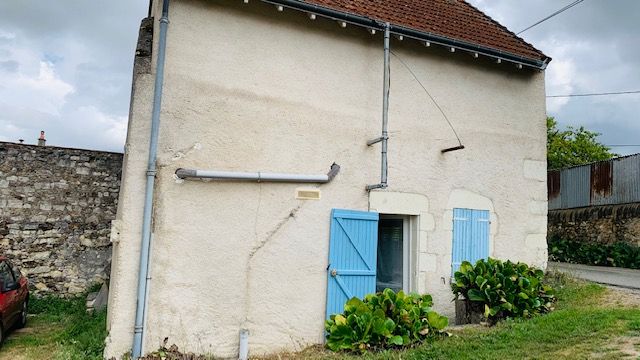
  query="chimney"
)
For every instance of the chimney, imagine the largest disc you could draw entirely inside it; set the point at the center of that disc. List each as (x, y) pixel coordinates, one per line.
(41, 139)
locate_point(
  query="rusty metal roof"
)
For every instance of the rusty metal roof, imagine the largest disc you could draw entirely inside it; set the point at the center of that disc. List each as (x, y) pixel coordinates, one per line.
(611, 182)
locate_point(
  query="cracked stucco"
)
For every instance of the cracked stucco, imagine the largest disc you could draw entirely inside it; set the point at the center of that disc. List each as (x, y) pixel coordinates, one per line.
(278, 93)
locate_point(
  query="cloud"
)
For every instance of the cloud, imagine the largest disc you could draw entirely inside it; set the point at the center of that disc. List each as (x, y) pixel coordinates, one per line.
(67, 70)
(594, 47)
(9, 66)
(45, 91)
(93, 128)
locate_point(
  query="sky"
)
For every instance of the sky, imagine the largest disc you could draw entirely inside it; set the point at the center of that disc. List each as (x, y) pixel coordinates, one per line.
(67, 69)
(595, 47)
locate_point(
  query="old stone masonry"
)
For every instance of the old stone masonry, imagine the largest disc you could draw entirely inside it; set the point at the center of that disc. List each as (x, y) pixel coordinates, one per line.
(56, 208)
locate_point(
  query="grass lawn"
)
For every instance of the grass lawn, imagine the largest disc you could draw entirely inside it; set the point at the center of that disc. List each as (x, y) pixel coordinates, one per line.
(57, 330)
(590, 322)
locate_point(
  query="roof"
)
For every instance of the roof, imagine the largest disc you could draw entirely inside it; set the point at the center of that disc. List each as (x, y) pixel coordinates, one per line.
(454, 21)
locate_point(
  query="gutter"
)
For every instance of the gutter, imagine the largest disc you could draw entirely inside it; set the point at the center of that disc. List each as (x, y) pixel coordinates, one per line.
(143, 273)
(425, 37)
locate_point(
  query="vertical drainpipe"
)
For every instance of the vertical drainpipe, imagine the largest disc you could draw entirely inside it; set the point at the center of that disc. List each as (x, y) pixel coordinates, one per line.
(385, 115)
(143, 274)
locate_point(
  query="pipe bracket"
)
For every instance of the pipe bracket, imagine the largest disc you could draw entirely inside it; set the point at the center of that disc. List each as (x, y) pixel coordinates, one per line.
(377, 186)
(377, 140)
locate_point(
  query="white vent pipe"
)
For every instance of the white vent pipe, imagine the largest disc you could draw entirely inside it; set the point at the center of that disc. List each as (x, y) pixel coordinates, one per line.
(257, 176)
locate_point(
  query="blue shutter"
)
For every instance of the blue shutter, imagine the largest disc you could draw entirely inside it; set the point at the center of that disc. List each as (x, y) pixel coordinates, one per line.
(470, 236)
(352, 257)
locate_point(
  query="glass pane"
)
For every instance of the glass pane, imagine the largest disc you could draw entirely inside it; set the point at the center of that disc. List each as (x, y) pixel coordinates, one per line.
(5, 275)
(390, 255)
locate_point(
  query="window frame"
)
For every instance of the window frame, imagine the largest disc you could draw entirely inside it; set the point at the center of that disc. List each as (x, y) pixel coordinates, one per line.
(407, 247)
(10, 270)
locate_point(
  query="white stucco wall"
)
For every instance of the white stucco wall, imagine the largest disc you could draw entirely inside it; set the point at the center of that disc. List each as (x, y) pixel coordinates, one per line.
(251, 89)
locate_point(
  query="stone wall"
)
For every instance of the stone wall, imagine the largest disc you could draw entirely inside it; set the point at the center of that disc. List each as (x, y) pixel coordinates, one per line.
(597, 224)
(56, 207)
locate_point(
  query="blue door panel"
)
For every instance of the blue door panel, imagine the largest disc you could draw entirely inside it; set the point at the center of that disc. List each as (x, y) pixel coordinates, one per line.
(352, 257)
(470, 236)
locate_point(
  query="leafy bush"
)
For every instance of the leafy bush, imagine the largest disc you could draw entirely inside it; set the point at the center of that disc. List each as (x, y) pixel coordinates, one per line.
(384, 320)
(619, 254)
(503, 289)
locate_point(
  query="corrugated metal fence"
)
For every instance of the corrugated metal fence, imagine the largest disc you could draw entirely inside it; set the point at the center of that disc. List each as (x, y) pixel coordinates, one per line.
(610, 182)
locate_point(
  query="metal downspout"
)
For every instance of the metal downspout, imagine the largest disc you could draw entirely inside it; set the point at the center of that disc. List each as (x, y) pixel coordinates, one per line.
(143, 274)
(385, 115)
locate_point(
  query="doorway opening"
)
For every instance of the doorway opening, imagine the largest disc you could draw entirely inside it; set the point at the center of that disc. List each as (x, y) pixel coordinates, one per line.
(394, 260)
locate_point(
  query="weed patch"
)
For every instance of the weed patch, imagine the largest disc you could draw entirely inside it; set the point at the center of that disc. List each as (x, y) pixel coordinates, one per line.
(58, 329)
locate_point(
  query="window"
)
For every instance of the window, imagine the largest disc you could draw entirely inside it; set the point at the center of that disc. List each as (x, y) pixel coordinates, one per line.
(393, 262)
(470, 236)
(16, 272)
(6, 276)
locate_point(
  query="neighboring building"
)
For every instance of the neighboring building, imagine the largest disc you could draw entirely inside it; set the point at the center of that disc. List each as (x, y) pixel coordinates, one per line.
(250, 88)
(56, 207)
(596, 203)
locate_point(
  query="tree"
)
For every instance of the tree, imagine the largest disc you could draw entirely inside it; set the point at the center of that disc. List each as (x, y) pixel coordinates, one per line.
(573, 146)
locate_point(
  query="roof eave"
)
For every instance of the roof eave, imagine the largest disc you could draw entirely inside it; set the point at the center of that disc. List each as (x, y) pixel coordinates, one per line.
(369, 23)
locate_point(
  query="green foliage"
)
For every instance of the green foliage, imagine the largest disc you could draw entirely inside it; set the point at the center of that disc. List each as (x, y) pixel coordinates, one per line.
(504, 289)
(384, 320)
(85, 335)
(618, 254)
(78, 334)
(53, 305)
(573, 146)
(585, 325)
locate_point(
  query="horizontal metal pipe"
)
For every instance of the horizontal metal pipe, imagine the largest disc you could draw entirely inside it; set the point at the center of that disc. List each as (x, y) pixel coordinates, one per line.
(257, 176)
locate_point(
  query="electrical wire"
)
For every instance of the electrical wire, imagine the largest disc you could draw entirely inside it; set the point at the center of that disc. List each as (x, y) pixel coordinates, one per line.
(428, 94)
(552, 15)
(597, 94)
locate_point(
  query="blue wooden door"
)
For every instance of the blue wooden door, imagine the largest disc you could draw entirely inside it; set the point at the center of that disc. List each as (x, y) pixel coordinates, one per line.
(352, 257)
(470, 236)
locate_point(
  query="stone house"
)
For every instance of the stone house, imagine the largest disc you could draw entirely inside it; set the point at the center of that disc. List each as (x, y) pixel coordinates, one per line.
(272, 195)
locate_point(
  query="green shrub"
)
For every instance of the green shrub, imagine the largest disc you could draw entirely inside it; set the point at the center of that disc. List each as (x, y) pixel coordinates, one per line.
(619, 254)
(384, 320)
(503, 289)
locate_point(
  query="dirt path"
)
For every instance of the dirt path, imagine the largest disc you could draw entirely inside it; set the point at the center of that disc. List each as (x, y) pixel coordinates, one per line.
(627, 346)
(32, 342)
(622, 297)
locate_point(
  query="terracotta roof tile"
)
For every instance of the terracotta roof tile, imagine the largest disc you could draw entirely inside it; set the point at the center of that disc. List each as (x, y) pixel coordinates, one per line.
(453, 19)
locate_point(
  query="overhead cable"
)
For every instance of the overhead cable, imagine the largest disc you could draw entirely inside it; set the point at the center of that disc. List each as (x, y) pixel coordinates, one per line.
(428, 94)
(597, 94)
(552, 15)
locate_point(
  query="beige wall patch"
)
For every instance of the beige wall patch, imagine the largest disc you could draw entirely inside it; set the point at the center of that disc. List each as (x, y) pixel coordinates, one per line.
(308, 194)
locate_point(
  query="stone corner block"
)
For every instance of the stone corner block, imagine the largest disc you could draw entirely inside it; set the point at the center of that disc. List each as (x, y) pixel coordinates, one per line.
(535, 170)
